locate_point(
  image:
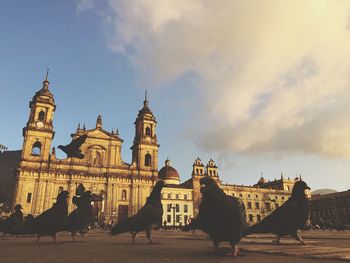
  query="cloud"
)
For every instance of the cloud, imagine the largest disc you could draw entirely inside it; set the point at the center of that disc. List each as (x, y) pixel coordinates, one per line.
(275, 74)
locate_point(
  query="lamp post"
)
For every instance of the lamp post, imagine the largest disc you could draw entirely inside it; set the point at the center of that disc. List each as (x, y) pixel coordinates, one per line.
(174, 208)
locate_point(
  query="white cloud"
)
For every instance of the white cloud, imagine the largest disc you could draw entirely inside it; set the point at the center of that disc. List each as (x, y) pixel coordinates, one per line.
(276, 74)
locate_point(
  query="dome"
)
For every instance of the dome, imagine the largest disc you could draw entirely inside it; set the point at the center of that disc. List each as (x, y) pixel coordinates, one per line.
(169, 174)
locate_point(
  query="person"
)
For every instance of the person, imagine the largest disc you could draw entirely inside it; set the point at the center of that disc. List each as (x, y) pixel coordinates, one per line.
(164, 223)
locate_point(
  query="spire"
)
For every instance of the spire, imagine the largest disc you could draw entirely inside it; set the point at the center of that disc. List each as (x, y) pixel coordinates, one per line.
(145, 102)
(78, 126)
(46, 82)
(117, 132)
(84, 128)
(99, 121)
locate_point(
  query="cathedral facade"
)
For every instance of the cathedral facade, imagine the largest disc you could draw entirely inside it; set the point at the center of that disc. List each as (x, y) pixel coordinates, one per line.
(124, 186)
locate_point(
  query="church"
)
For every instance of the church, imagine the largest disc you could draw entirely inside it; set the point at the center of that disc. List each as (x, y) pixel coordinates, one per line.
(123, 186)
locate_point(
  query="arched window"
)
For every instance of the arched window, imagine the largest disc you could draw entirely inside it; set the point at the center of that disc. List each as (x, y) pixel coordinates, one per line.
(124, 195)
(36, 149)
(41, 115)
(197, 171)
(148, 159)
(210, 172)
(148, 131)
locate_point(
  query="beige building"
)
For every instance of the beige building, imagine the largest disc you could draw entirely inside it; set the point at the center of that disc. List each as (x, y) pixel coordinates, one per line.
(124, 186)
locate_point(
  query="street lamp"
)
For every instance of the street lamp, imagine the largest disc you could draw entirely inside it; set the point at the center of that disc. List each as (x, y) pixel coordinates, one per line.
(174, 208)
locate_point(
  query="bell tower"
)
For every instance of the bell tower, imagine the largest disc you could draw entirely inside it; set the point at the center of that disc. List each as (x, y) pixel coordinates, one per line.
(38, 133)
(145, 146)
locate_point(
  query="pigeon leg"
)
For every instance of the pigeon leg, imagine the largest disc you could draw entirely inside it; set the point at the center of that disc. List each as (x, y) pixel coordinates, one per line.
(234, 252)
(298, 237)
(54, 238)
(148, 235)
(216, 245)
(133, 237)
(278, 240)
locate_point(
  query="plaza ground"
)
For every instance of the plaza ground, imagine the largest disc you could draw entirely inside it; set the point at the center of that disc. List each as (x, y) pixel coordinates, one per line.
(175, 246)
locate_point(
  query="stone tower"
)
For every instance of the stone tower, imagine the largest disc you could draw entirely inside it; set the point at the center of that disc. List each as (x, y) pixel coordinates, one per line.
(145, 146)
(38, 133)
(198, 171)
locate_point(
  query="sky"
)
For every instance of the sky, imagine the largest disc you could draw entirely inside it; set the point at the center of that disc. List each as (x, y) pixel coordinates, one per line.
(261, 87)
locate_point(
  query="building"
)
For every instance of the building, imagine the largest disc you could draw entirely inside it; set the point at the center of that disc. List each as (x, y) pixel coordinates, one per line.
(125, 187)
(181, 201)
(177, 199)
(332, 208)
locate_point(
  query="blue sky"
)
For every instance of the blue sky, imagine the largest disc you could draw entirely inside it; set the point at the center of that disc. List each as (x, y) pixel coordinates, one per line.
(223, 81)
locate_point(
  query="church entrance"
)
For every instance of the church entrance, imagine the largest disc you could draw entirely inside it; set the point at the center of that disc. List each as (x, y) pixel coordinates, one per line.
(122, 212)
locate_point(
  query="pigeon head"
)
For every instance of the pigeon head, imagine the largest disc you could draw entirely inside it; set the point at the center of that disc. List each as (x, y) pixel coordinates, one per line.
(60, 147)
(300, 189)
(208, 185)
(155, 194)
(18, 207)
(80, 189)
(62, 196)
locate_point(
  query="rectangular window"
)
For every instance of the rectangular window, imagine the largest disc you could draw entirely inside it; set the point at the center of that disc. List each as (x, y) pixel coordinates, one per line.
(169, 196)
(168, 218)
(177, 208)
(185, 208)
(168, 208)
(185, 197)
(29, 197)
(177, 196)
(178, 218)
(268, 206)
(258, 217)
(249, 205)
(257, 206)
(250, 218)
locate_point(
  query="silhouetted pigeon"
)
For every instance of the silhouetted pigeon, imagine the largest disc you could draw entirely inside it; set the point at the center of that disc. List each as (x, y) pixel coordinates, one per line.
(72, 149)
(151, 213)
(288, 218)
(221, 216)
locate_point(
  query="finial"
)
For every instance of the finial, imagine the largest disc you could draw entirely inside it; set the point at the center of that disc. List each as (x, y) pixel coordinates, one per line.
(84, 128)
(99, 121)
(78, 126)
(47, 74)
(145, 102)
(112, 131)
(46, 81)
(117, 132)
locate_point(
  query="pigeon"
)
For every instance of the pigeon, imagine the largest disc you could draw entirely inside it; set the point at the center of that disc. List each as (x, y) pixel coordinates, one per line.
(15, 220)
(151, 213)
(50, 222)
(288, 218)
(26, 228)
(72, 149)
(81, 218)
(221, 216)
